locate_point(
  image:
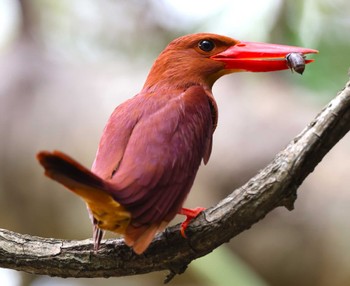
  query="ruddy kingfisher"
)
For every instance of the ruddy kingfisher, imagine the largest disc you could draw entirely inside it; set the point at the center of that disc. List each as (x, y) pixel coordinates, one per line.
(153, 143)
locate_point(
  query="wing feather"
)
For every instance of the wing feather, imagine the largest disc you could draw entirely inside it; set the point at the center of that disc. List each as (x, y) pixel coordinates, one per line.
(162, 155)
(115, 137)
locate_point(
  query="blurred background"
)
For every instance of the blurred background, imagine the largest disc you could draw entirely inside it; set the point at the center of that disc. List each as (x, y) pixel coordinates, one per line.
(64, 67)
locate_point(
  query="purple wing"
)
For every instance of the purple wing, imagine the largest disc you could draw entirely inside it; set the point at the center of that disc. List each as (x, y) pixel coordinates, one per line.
(115, 138)
(151, 150)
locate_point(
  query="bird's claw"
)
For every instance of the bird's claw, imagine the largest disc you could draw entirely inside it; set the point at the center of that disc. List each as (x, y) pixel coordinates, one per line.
(190, 215)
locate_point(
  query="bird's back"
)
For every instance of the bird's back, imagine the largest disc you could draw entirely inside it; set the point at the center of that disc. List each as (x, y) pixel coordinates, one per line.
(151, 150)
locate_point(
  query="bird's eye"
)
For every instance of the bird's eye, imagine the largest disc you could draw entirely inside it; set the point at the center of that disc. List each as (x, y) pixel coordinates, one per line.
(206, 45)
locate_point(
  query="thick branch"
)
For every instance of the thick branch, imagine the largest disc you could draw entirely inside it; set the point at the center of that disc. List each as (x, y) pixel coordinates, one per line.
(274, 186)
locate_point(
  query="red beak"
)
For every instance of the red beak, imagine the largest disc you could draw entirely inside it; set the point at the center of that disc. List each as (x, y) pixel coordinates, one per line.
(259, 57)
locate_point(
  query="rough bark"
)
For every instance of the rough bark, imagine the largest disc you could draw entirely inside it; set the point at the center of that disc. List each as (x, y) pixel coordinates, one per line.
(276, 185)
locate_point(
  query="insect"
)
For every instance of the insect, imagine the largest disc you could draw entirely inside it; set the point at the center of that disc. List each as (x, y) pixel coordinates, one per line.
(296, 62)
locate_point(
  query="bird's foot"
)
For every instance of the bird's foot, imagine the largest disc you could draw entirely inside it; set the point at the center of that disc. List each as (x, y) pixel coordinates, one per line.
(190, 214)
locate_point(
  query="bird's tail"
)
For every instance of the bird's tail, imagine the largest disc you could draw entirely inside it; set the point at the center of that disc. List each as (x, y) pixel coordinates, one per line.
(139, 238)
(106, 212)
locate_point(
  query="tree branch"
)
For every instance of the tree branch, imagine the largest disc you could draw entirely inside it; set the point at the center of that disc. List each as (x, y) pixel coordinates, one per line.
(274, 186)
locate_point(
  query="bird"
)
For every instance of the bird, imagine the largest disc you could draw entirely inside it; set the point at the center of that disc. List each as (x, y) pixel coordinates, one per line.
(153, 143)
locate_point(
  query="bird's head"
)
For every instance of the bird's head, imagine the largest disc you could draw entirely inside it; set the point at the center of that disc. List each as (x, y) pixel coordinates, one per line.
(203, 58)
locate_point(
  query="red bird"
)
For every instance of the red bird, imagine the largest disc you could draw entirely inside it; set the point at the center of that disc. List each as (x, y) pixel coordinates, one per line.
(153, 143)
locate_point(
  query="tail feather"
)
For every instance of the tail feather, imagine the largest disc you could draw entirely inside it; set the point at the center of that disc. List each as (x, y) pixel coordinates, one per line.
(139, 238)
(105, 212)
(63, 169)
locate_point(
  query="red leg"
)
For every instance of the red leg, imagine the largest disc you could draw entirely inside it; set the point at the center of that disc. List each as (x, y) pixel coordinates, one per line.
(190, 214)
